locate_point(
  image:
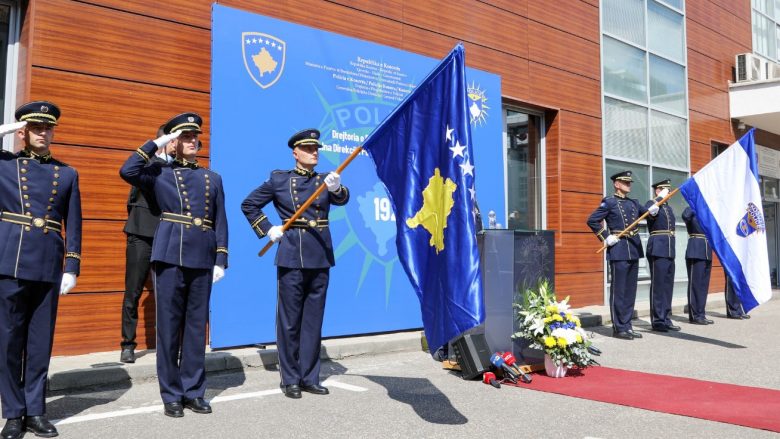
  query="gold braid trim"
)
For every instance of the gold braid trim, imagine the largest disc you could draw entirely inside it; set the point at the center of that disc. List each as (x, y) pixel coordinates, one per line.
(222, 250)
(73, 255)
(144, 155)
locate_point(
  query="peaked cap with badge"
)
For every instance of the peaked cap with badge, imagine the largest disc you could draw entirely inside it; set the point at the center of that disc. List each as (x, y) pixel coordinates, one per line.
(184, 122)
(309, 136)
(38, 112)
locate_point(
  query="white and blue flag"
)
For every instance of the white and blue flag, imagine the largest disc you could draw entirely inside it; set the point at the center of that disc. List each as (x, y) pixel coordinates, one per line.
(726, 197)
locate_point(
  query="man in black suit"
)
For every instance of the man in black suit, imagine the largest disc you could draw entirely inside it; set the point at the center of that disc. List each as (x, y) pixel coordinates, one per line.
(143, 216)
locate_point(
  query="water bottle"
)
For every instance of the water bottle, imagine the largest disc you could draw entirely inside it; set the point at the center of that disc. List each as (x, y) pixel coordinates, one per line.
(492, 219)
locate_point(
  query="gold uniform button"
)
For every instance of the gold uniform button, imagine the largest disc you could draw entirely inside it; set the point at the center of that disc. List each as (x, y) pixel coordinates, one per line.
(186, 200)
(26, 204)
(48, 207)
(26, 196)
(180, 178)
(184, 193)
(56, 168)
(188, 206)
(23, 170)
(55, 183)
(189, 213)
(182, 185)
(24, 178)
(197, 221)
(56, 175)
(51, 200)
(207, 208)
(45, 230)
(312, 223)
(39, 222)
(187, 226)
(26, 228)
(28, 213)
(207, 201)
(54, 191)
(24, 162)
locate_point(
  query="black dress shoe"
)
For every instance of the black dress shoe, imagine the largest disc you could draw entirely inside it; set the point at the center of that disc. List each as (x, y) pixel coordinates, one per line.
(40, 425)
(660, 328)
(634, 333)
(699, 321)
(745, 316)
(672, 327)
(315, 389)
(174, 409)
(625, 335)
(709, 321)
(737, 317)
(127, 355)
(198, 405)
(13, 429)
(292, 391)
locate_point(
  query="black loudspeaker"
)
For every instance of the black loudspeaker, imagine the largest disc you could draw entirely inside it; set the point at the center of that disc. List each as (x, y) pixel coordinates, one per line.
(473, 355)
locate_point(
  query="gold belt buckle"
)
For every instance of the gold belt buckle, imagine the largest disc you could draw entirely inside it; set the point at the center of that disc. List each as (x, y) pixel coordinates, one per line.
(197, 221)
(38, 222)
(312, 223)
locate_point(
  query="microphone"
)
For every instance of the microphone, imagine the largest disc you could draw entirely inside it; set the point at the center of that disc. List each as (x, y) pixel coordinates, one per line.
(509, 359)
(490, 378)
(594, 350)
(500, 364)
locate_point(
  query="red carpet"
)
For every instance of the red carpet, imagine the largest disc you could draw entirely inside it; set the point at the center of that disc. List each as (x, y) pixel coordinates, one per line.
(753, 407)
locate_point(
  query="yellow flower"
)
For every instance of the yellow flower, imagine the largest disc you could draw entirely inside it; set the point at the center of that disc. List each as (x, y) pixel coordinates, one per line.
(562, 342)
(569, 317)
(557, 318)
(551, 309)
(579, 338)
(549, 341)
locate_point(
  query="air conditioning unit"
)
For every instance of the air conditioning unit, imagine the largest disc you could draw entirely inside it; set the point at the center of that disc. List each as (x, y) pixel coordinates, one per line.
(750, 67)
(772, 70)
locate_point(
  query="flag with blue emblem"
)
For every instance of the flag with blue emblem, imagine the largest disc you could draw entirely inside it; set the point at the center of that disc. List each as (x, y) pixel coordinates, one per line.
(423, 155)
(726, 197)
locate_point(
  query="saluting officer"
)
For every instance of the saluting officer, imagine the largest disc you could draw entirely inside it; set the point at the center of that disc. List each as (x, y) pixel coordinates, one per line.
(39, 202)
(189, 253)
(303, 259)
(143, 216)
(698, 261)
(660, 256)
(623, 253)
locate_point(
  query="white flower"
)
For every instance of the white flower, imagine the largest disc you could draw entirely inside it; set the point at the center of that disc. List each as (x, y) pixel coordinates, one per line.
(537, 327)
(569, 334)
(563, 306)
(582, 332)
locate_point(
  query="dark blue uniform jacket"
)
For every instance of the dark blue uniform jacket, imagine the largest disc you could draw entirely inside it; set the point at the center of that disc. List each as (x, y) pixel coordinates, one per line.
(698, 247)
(619, 213)
(661, 227)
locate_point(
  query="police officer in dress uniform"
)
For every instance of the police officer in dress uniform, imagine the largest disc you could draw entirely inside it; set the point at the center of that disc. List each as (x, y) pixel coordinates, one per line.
(40, 254)
(303, 259)
(734, 308)
(189, 253)
(143, 216)
(698, 260)
(623, 253)
(660, 256)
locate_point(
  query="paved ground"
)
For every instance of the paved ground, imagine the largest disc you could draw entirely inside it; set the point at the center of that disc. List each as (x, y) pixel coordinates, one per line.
(406, 394)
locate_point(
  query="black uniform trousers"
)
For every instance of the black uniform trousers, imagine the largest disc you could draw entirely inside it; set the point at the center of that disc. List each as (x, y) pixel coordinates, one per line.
(138, 254)
(182, 296)
(299, 313)
(661, 289)
(733, 304)
(28, 310)
(698, 285)
(622, 293)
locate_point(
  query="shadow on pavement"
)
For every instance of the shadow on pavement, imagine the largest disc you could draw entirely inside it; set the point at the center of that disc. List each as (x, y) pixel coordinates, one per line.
(75, 401)
(218, 382)
(645, 328)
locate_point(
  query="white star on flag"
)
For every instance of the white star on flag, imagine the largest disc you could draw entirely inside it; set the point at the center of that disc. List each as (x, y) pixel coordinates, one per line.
(468, 169)
(457, 150)
(473, 193)
(449, 133)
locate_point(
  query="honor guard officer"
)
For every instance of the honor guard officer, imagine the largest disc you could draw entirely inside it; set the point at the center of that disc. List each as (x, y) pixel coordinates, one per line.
(40, 254)
(660, 256)
(303, 259)
(143, 216)
(189, 253)
(623, 253)
(698, 261)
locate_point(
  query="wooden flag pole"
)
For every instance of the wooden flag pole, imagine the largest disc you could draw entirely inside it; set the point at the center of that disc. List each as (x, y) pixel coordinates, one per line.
(644, 215)
(311, 199)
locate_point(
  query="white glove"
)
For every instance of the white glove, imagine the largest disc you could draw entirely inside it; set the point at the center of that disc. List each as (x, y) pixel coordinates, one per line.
(333, 181)
(68, 282)
(218, 273)
(664, 193)
(164, 139)
(653, 210)
(11, 127)
(275, 233)
(612, 240)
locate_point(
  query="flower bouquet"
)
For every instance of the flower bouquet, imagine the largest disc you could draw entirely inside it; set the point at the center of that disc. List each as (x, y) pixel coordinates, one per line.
(551, 327)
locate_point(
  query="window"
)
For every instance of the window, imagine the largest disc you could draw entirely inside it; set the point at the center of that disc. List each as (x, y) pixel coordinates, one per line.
(645, 106)
(9, 39)
(524, 166)
(766, 28)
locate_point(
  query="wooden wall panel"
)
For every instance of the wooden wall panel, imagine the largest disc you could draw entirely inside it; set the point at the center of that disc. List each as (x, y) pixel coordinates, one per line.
(561, 15)
(705, 40)
(581, 172)
(553, 88)
(701, 154)
(457, 19)
(720, 20)
(740, 9)
(103, 192)
(580, 133)
(579, 206)
(513, 69)
(108, 112)
(392, 9)
(577, 254)
(93, 323)
(102, 257)
(519, 7)
(110, 44)
(584, 288)
(705, 128)
(708, 100)
(564, 51)
(708, 71)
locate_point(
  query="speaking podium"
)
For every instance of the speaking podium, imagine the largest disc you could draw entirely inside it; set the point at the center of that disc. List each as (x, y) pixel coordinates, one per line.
(512, 261)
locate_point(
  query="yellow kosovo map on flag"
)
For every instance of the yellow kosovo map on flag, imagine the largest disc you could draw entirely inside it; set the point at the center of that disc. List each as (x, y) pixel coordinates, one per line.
(437, 205)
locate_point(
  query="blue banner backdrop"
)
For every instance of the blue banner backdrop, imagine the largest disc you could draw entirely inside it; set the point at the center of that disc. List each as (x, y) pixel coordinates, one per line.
(271, 78)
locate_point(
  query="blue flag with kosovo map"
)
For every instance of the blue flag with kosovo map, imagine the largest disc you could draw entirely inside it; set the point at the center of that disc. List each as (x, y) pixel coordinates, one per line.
(423, 155)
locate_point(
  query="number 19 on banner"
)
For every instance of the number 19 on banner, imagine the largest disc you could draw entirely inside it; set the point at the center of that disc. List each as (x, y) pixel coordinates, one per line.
(382, 209)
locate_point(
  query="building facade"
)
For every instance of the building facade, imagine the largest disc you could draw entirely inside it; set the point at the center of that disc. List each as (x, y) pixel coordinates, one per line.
(588, 87)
